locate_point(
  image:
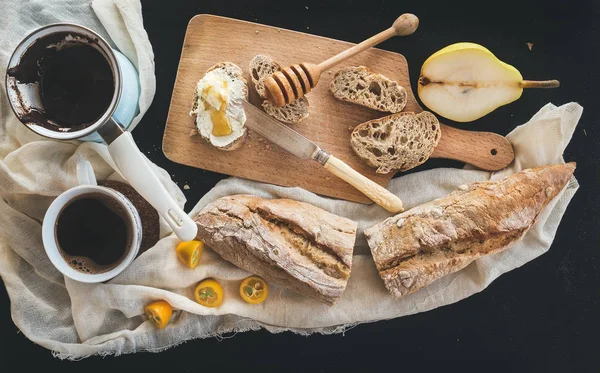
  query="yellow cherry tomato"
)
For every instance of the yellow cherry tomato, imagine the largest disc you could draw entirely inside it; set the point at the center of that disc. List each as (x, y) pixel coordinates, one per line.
(254, 290)
(189, 252)
(159, 313)
(209, 293)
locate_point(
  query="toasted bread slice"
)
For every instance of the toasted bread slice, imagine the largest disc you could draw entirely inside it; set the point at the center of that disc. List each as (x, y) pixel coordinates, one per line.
(396, 142)
(260, 68)
(359, 85)
(236, 74)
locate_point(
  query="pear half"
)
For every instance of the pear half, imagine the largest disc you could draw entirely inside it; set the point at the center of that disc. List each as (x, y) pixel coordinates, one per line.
(465, 81)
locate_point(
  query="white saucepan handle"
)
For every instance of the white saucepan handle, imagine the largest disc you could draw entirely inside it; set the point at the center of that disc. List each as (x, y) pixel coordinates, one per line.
(138, 173)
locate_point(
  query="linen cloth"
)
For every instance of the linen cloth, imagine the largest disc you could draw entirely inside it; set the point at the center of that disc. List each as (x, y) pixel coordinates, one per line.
(75, 320)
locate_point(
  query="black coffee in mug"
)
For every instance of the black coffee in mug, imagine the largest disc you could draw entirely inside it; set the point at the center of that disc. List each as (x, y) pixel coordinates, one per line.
(75, 80)
(93, 233)
(76, 85)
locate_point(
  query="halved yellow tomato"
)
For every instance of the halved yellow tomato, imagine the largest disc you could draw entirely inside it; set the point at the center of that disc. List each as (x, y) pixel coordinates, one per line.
(189, 252)
(159, 313)
(254, 290)
(209, 293)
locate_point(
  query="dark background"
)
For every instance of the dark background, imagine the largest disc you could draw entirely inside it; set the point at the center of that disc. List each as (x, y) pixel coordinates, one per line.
(541, 317)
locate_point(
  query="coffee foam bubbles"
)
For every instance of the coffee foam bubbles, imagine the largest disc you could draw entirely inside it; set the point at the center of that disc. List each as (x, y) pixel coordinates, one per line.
(86, 265)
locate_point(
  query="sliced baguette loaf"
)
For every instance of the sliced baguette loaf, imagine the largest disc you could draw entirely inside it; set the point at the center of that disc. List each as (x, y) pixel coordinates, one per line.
(396, 142)
(359, 85)
(261, 67)
(235, 73)
(291, 244)
(417, 247)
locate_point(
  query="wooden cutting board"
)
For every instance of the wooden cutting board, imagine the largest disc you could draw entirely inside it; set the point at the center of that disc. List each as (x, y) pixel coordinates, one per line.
(212, 39)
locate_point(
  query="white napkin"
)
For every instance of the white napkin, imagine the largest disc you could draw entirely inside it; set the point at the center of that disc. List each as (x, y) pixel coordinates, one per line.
(75, 320)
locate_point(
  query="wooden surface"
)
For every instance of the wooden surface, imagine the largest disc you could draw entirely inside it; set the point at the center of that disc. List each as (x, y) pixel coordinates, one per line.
(212, 39)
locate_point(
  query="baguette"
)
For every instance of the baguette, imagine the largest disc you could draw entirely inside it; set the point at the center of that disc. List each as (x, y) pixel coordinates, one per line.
(396, 142)
(359, 85)
(292, 244)
(261, 67)
(417, 247)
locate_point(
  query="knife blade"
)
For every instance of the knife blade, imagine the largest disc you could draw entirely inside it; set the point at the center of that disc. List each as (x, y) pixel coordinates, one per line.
(298, 145)
(282, 135)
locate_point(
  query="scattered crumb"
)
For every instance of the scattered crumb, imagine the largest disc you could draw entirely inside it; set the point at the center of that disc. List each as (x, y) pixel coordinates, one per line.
(463, 187)
(193, 132)
(268, 147)
(584, 132)
(306, 7)
(350, 128)
(260, 139)
(278, 30)
(256, 32)
(307, 27)
(327, 178)
(186, 187)
(529, 45)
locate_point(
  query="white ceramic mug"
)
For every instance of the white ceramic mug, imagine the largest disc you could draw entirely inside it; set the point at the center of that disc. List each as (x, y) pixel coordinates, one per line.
(89, 188)
(25, 99)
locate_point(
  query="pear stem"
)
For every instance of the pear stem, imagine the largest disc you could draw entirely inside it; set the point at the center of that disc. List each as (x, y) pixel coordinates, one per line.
(540, 84)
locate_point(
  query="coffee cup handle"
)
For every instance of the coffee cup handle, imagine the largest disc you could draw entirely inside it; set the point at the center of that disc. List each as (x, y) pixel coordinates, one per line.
(85, 173)
(136, 170)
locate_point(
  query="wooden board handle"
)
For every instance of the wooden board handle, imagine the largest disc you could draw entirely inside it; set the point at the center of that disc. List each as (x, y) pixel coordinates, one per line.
(486, 150)
(371, 189)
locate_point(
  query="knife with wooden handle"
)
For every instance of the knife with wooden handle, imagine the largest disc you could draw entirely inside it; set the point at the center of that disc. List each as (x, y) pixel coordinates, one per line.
(293, 142)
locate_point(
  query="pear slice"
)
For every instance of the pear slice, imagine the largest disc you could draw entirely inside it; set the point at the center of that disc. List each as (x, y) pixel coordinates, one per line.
(465, 81)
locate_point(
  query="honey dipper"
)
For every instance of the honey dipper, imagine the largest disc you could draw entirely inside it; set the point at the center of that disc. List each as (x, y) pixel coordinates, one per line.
(291, 83)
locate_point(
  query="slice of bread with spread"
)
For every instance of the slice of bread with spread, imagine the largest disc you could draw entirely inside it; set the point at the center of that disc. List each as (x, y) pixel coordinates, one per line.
(218, 106)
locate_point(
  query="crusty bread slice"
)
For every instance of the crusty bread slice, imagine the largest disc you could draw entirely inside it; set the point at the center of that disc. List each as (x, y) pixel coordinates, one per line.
(290, 113)
(413, 249)
(235, 72)
(359, 85)
(291, 244)
(261, 67)
(396, 142)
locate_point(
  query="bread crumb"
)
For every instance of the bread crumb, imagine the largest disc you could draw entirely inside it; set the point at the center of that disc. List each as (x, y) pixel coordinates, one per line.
(186, 187)
(256, 32)
(268, 147)
(306, 7)
(584, 132)
(193, 132)
(529, 45)
(278, 30)
(350, 128)
(463, 187)
(307, 27)
(327, 178)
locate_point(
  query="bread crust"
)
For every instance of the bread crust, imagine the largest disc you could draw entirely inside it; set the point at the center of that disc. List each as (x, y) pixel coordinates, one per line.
(417, 247)
(292, 244)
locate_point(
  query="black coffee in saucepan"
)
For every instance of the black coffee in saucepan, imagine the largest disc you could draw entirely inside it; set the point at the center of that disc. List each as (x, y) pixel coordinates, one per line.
(93, 233)
(76, 84)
